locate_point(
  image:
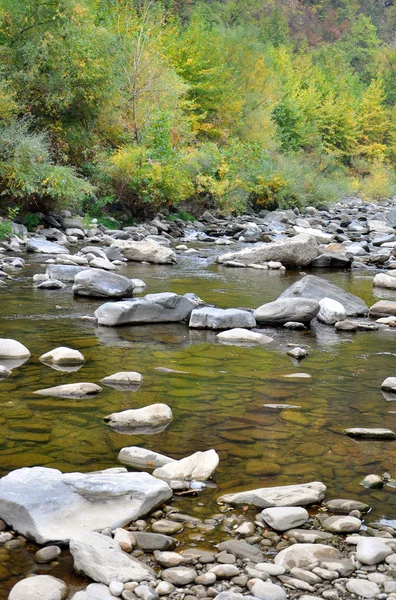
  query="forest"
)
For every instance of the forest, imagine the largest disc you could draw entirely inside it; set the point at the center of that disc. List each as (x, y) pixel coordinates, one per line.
(129, 107)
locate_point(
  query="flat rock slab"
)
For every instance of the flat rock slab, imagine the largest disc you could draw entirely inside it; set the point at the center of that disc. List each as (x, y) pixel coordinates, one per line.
(123, 380)
(309, 536)
(47, 505)
(147, 251)
(155, 417)
(318, 288)
(285, 517)
(302, 555)
(71, 390)
(345, 506)
(101, 558)
(375, 433)
(218, 318)
(281, 406)
(363, 588)
(383, 308)
(41, 246)
(288, 495)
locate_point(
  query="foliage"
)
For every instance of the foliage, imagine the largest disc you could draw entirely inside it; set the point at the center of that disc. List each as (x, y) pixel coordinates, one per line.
(5, 228)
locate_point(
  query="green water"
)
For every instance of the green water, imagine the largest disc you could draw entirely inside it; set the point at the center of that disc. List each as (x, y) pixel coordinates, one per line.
(217, 404)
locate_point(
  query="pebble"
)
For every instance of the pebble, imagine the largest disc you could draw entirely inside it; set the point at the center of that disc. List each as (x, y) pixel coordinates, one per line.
(180, 575)
(116, 588)
(47, 554)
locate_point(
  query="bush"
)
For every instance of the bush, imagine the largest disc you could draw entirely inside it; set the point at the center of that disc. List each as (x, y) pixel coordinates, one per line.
(379, 183)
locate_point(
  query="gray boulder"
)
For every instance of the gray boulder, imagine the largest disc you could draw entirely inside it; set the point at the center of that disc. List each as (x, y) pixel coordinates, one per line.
(147, 251)
(302, 555)
(65, 273)
(153, 308)
(383, 308)
(318, 288)
(40, 246)
(47, 505)
(283, 310)
(287, 495)
(217, 318)
(102, 284)
(41, 587)
(298, 251)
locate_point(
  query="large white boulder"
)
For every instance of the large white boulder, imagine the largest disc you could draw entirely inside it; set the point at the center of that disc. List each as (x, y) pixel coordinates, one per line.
(154, 417)
(288, 495)
(331, 311)
(11, 349)
(47, 505)
(218, 318)
(63, 356)
(102, 284)
(40, 587)
(153, 308)
(147, 251)
(71, 390)
(282, 518)
(199, 466)
(302, 555)
(101, 558)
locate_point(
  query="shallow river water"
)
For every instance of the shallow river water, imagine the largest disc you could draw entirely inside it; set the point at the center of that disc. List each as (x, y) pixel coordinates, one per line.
(217, 403)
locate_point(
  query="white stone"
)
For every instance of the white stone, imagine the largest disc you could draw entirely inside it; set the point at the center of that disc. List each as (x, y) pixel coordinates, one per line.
(40, 587)
(135, 456)
(101, 558)
(320, 236)
(12, 349)
(155, 416)
(287, 495)
(342, 524)
(283, 518)
(199, 466)
(218, 318)
(116, 588)
(270, 568)
(363, 588)
(240, 335)
(123, 379)
(47, 505)
(371, 551)
(63, 356)
(164, 588)
(389, 384)
(331, 311)
(179, 575)
(42, 246)
(102, 263)
(145, 251)
(71, 390)
(168, 559)
(266, 590)
(124, 539)
(98, 591)
(384, 280)
(302, 555)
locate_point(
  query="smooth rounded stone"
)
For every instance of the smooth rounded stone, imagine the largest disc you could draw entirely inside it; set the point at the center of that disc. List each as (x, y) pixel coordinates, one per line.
(305, 575)
(99, 283)
(153, 541)
(371, 551)
(164, 588)
(144, 592)
(374, 433)
(389, 384)
(97, 591)
(346, 325)
(270, 568)
(63, 356)
(12, 349)
(169, 559)
(331, 311)
(302, 555)
(4, 372)
(298, 353)
(155, 416)
(145, 251)
(372, 481)
(206, 579)
(41, 246)
(218, 318)
(391, 559)
(200, 466)
(225, 571)
(71, 390)
(47, 554)
(101, 558)
(325, 574)
(287, 495)
(242, 549)
(51, 284)
(239, 335)
(179, 575)
(345, 506)
(64, 273)
(138, 283)
(294, 325)
(283, 310)
(40, 587)
(363, 588)
(265, 590)
(246, 529)
(116, 588)
(45, 504)
(344, 567)
(101, 263)
(383, 308)
(124, 539)
(384, 280)
(166, 526)
(283, 518)
(135, 456)
(342, 524)
(123, 379)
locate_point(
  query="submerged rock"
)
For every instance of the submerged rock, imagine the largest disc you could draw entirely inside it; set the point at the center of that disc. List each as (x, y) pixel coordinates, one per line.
(71, 390)
(240, 335)
(374, 433)
(144, 420)
(46, 505)
(288, 495)
(123, 380)
(199, 467)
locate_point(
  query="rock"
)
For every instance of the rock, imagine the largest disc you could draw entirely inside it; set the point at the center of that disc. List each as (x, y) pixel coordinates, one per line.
(51, 284)
(374, 433)
(317, 288)
(135, 456)
(124, 539)
(153, 308)
(40, 587)
(343, 506)
(298, 251)
(155, 416)
(240, 335)
(383, 308)
(225, 571)
(346, 325)
(288, 495)
(298, 353)
(168, 559)
(302, 555)
(71, 390)
(123, 380)
(283, 518)
(384, 280)
(153, 541)
(63, 356)
(281, 311)
(4, 372)
(116, 588)
(372, 481)
(342, 524)
(334, 260)
(371, 551)
(41, 246)
(265, 590)
(147, 251)
(242, 550)
(320, 236)
(11, 349)
(281, 406)
(363, 588)
(46, 505)
(101, 558)
(65, 273)
(389, 385)
(217, 318)
(47, 554)
(199, 467)
(331, 311)
(270, 568)
(102, 284)
(166, 526)
(102, 263)
(179, 575)
(309, 536)
(164, 588)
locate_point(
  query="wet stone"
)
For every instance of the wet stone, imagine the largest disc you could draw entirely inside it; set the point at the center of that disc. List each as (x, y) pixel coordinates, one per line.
(166, 526)
(47, 554)
(179, 575)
